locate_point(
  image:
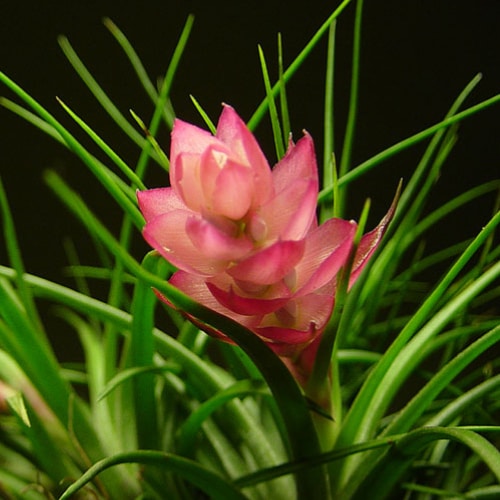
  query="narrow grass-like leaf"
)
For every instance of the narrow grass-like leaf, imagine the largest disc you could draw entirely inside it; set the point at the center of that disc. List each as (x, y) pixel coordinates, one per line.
(17, 405)
(163, 94)
(323, 458)
(41, 433)
(209, 482)
(345, 159)
(204, 115)
(296, 63)
(136, 63)
(408, 359)
(141, 355)
(406, 143)
(13, 483)
(189, 429)
(457, 407)
(164, 162)
(97, 91)
(198, 370)
(16, 260)
(285, 116)
(329, 167)
(412, 411)
(273, 112)
(328, 343)
(29, 351)
(421, 175)
(78, 271)
(484, 493)
(126, 170)
(397, 460)
(95, 376)
(102, 174)
(130, 373)
(39, 123)
(437, 492)
(31, 118)
(447, 208)
(199, 373)
(365, 412)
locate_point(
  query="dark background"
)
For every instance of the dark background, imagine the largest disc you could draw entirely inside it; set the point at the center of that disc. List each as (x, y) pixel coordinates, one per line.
(416, 57)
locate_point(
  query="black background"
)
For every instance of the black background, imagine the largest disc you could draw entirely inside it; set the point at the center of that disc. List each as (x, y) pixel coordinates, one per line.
(416, 57)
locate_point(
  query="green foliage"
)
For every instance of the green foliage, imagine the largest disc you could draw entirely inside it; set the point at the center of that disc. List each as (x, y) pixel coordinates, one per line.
(158, 410)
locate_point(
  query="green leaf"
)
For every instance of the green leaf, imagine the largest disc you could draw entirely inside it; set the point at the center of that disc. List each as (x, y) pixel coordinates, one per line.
(16, 403)
(283, 99)
(396, 461)
(329, 166)
(163, 95)
(129, 173)
(398, 360)
(369, 164)
(16, 260)
(130, 373)
(345, 159)
(97, 91)
(102, 174)
(204, 115)
(458, 406)
(140, 71)
(209, 482)
(187, 432)
(296, 63)
(142, 353)
(273, 112)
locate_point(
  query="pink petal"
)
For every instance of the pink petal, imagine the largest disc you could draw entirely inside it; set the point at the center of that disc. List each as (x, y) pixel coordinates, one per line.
(246, 306)
(215, 244)
(186, 172)
(234, 191)
(327, 250)
(269, 265)
(300, 312)
(196, 291)
(154, 202)
(263, 301)
(370, 241)
(290, 214)
(286, 336)
(233, 131)
(196, 288)
(213, 161)
(188, 138)
(298, 163)
(292, 211)
(167, 234)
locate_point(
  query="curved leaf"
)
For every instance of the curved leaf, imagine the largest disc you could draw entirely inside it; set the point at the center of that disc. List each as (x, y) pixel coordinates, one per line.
(187, 432)
(209, 482)
(396, 461)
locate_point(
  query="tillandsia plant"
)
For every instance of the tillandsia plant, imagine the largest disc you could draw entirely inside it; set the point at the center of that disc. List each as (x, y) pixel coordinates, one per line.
(316, 324)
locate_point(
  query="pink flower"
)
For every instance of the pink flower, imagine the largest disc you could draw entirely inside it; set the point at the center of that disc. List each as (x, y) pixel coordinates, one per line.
(245, 238)
(225, 203)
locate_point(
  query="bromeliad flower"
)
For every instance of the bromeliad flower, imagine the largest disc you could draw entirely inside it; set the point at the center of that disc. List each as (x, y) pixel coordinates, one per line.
(245, 238)
(226, 205)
